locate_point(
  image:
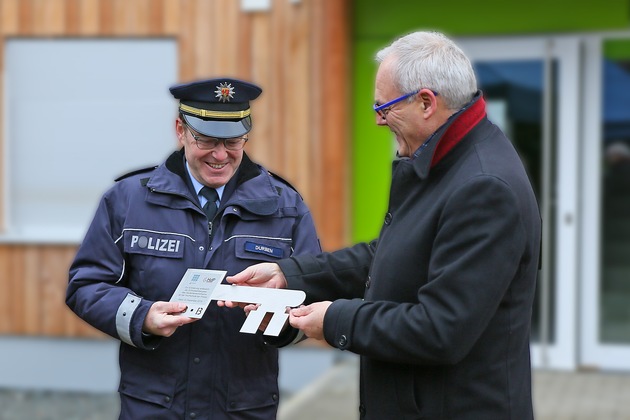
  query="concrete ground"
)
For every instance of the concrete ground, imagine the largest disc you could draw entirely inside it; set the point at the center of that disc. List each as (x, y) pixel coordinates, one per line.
(45, 405)
(557, 396)
(334, 396)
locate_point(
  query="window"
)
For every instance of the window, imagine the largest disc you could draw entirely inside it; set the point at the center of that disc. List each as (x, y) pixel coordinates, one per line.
(78, 113)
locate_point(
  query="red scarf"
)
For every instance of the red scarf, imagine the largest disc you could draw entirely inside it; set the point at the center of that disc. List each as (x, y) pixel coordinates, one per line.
(458, 129)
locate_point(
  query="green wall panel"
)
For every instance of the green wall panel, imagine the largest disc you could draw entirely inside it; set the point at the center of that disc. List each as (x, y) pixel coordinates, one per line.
(373, 149)
(617, 49)
(374, 18)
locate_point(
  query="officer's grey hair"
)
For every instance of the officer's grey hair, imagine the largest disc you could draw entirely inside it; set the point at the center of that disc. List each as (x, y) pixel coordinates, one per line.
(431, 60)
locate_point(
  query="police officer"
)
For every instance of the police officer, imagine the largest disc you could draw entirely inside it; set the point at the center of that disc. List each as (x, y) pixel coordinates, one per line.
(207, 206)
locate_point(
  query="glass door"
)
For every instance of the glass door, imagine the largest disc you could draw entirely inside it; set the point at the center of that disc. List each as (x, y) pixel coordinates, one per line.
(605, 262)
(530, 86)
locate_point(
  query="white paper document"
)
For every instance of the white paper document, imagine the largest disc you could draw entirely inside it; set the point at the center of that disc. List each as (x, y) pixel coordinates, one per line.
(195, 290)
(198, 287)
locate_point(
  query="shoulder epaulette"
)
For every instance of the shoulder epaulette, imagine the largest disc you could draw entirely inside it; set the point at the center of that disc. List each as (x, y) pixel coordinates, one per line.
(284, 181)
(136, 172)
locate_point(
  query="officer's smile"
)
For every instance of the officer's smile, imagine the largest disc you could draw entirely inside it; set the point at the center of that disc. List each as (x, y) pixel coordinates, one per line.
(217, 165)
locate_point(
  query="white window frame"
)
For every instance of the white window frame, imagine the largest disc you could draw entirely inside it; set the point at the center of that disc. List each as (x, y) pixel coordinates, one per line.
(594, 354)
(562, 353)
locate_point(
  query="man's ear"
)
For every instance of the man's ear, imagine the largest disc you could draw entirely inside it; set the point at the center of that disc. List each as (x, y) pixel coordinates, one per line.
(428, 103)
(180, 131)
(426, 100)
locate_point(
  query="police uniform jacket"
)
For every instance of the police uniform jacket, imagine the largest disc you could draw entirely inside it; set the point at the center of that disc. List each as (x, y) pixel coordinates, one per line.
(439, 306)
(147, 231)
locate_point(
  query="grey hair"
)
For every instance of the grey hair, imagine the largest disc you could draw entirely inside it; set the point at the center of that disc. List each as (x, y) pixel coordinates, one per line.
(431, 60)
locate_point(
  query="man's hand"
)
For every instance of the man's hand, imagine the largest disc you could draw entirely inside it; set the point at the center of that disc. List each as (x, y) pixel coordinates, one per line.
(259, 275)
(310, 319)
(163, 319)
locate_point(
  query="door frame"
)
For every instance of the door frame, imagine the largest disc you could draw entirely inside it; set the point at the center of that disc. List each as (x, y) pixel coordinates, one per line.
(593, 353)
(565, 50)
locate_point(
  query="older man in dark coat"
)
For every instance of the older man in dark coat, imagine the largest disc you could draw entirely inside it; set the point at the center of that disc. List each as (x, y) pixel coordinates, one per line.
(439, 306)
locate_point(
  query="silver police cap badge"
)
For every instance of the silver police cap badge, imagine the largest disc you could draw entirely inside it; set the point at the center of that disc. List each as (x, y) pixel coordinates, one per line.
(224, 92)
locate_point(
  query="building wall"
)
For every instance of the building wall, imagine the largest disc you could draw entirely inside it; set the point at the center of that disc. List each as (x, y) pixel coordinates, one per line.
(296, 50)
(375, 26)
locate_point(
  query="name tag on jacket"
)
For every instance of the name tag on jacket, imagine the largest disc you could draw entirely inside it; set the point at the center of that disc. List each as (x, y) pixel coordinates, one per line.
(265, 249)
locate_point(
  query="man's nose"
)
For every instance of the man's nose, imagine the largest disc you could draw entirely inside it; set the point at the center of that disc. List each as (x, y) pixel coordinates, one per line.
(220, 150)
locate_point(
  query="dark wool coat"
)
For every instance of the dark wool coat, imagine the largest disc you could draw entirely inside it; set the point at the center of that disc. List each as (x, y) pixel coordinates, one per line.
(439, 306)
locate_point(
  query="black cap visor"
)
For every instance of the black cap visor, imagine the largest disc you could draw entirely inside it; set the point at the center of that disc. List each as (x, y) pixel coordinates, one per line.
(222, 129)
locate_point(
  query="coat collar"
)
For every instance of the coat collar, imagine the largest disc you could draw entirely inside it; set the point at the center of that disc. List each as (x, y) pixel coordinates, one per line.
(448, 136)
(246, 171)
(261, 198)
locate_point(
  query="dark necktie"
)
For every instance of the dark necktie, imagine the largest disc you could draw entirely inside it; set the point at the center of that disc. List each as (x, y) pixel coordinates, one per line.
(210, 208)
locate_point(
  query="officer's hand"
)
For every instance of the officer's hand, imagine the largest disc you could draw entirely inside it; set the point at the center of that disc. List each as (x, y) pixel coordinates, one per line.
(163, 319)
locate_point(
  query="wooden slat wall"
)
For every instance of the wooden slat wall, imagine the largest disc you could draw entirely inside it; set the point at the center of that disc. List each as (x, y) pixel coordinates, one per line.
(33, 280)
(298, 51)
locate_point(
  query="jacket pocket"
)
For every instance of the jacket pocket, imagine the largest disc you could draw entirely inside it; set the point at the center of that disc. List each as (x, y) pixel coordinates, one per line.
(257, 393)
(146, 385)
(262, 248)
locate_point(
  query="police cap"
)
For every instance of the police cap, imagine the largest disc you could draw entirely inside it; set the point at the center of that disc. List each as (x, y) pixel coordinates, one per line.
(217, 107)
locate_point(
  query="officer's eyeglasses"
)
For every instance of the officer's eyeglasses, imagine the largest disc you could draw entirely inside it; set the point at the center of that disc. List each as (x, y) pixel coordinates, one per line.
(209, 143)
(383, 110)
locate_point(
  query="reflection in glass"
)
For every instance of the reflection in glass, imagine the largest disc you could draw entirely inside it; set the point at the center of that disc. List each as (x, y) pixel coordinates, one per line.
(513, 91)
(615, 221)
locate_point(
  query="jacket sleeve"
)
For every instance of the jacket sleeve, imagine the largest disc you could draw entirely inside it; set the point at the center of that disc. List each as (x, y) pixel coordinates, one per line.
(477, 252)
(326, 276)
(305, 239)
(330, 275)
(305, 242)
(97, 291)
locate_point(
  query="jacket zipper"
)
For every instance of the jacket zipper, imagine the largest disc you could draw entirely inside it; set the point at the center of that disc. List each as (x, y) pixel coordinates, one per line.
(187, 198)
